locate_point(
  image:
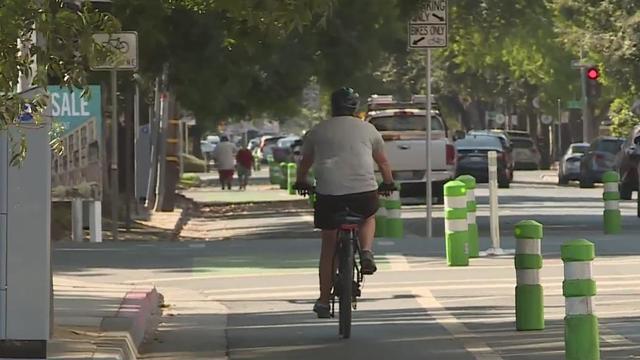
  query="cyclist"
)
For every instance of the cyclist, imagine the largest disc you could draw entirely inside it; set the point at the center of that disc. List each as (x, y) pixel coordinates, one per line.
(342, 151)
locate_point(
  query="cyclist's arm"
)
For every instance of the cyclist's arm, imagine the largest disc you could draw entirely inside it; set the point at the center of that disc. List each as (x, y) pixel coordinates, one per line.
(380, 158)
(305, 165)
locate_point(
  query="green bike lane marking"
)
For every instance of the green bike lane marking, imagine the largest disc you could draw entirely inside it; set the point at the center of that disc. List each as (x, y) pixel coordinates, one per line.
(246, 265)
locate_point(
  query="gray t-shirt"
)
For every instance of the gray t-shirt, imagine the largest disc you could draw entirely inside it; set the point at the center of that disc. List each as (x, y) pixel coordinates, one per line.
(342, 148)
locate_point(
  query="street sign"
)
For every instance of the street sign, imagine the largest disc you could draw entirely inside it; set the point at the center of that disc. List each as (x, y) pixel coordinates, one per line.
(428, 28)
(124, 45)
(500, 118)
(513, 121)
(536, 102)
(546, 119)
(565, 117)
(574, 104)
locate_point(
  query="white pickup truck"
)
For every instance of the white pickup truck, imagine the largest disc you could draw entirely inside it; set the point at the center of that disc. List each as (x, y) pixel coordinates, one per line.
(402, 126)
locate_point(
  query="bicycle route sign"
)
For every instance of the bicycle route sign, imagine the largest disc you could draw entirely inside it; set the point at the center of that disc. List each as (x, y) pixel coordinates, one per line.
(124, 47)
(428, 28)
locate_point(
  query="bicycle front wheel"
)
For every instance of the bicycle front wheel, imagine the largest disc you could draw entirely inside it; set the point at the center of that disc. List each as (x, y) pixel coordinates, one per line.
(346, 283)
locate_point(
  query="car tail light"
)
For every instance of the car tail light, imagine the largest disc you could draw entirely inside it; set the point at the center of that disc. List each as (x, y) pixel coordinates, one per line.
(599, 158)
(451, 154)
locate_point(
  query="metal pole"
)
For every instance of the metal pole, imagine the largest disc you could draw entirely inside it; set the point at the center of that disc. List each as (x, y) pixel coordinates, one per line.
(559, 154)
(114, 155)
(493, 201)
(180, 148)
(429, 197)
(586, 115)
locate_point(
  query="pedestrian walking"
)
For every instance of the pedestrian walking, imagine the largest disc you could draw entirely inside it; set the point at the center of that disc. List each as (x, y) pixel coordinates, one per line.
(244, 161)
(224, 155)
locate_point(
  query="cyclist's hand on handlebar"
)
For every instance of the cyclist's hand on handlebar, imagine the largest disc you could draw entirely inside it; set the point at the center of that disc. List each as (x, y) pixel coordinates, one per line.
(303, 188)
(386, 189)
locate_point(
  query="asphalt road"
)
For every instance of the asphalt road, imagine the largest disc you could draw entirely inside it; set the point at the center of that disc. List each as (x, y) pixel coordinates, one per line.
(250, 296)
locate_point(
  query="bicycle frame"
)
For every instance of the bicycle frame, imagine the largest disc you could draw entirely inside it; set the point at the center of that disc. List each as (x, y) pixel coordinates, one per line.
(352, 236)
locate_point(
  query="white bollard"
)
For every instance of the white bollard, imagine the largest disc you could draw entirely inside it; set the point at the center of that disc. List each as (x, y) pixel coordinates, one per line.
(95, 221)
(494, 215)
(77, 231)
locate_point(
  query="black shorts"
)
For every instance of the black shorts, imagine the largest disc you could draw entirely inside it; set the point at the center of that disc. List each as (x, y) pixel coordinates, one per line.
(326, 207)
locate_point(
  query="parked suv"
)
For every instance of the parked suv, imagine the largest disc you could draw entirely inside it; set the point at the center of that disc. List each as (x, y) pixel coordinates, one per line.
(627, 164)
(600, 158)
(473, 158)
(507, 148)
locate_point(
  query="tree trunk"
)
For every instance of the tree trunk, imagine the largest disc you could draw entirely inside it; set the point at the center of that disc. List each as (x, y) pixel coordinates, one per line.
(196, 135)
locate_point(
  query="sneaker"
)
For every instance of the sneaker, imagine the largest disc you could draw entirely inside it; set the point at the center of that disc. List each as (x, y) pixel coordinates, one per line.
(323, 311)
(367, 263)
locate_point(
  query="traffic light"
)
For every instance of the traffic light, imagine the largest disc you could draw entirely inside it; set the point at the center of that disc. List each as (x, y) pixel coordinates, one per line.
(592, 84)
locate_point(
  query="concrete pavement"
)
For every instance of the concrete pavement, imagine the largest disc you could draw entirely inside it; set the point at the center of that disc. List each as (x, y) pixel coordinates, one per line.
(96, 320)
(260, 284)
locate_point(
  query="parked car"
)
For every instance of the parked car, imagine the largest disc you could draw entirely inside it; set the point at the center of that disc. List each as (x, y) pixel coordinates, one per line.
(402, 126)
(600, 158)
(506, 145)
(569, 167)
(282, 150)
(266, 146)
(525, 153)
(627, 164)
(473, 158)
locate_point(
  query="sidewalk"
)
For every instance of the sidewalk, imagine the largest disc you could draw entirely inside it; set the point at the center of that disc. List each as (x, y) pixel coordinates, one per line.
(101, 321)
(207, 196)
(260, 177)
(545, 177)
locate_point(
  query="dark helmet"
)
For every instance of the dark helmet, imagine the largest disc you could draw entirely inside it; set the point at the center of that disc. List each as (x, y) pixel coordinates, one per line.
(344, 102)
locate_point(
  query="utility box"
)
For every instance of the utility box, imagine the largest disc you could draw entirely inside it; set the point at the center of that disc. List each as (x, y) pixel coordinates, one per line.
(25, 247)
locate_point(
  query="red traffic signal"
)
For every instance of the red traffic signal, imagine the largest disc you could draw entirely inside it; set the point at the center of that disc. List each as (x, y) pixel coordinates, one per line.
(593, 74)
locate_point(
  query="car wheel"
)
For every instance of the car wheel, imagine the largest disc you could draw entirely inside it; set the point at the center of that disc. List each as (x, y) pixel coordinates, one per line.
(626, 191)
(585, 181)
(562, 180)
(503, 182)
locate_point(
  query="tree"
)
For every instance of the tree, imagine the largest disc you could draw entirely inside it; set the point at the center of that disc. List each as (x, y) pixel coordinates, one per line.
(63, 50)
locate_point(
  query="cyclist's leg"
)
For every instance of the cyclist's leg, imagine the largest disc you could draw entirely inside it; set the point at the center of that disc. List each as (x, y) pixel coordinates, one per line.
(367, 233)
(327, 264)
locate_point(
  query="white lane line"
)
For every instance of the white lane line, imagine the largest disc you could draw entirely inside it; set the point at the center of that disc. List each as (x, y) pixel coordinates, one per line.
(471, 342)
(612, 337)
(398, 262)
(304, 291)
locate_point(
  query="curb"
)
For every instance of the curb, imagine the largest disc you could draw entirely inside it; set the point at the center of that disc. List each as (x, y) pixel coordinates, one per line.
(137, 317)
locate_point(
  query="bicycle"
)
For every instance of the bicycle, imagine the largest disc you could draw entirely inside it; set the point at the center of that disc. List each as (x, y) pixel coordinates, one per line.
(348, 279)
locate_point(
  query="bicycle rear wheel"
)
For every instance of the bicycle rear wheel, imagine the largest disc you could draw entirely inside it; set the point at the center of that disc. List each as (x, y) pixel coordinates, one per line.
(346, 283)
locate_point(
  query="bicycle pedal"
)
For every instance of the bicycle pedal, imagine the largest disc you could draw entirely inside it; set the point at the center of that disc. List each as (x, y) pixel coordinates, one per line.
(357, 292)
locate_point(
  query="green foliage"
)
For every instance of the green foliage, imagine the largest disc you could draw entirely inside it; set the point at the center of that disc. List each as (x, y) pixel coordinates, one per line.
(623, 120)
(64, 47)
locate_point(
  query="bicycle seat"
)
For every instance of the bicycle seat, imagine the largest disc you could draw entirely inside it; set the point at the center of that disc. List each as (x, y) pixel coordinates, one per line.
(348, 217)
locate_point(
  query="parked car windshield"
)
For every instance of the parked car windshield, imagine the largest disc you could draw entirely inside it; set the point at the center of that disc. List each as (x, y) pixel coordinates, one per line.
(579, 149)
(610, 146)
(522, 143)
(405, 123)
(479, 142)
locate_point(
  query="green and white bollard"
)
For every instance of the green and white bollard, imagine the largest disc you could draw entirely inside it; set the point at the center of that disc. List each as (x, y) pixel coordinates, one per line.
(274, 173)
(393, 226)
(291, 177)
(528, 262)
(455, 223)
(581, 336)
(381, 218)
(284, 176)
(472, 226)
(611, 197)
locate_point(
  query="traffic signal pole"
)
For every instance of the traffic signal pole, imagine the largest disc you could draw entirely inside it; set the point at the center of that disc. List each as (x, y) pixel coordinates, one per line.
(587, 116)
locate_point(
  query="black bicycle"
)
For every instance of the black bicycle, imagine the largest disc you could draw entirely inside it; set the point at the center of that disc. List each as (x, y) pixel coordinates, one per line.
(348, 279)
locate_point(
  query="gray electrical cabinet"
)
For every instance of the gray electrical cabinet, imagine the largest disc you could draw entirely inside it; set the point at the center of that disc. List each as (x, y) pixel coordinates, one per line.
(25, 247)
